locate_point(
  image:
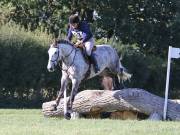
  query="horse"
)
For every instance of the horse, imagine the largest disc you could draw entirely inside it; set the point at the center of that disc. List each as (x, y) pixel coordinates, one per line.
(75, 67)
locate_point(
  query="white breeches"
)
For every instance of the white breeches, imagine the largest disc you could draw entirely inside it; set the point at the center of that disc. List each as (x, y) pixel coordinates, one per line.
(89, 46)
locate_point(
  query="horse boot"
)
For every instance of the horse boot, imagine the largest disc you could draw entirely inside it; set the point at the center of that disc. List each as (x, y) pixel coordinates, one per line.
(67, 116)
(94, 61)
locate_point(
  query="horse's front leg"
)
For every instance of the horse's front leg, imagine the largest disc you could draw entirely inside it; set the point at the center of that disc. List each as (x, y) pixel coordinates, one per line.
(64, 82)
(75, 86)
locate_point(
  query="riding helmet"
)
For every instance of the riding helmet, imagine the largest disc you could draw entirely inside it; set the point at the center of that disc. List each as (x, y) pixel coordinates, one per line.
(74, 19)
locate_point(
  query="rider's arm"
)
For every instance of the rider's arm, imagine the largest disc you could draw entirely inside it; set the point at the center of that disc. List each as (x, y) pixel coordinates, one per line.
(69, 35)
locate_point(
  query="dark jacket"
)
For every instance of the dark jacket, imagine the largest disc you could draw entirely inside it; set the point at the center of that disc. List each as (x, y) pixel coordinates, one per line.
(83, 32)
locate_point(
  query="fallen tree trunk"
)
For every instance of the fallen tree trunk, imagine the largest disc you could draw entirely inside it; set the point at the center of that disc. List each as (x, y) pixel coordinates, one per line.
(132, 99)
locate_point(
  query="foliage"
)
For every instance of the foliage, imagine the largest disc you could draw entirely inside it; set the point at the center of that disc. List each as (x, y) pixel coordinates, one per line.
(148, 23)
(153, 25)
(23, 61)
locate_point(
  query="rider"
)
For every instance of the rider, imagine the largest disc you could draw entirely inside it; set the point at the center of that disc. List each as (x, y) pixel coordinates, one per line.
(81, 30)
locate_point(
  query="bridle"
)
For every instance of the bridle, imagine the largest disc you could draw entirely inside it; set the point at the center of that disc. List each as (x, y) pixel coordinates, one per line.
(57, 56)
(66, 70)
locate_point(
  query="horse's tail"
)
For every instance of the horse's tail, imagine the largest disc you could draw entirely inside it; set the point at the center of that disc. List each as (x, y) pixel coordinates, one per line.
(123, 75)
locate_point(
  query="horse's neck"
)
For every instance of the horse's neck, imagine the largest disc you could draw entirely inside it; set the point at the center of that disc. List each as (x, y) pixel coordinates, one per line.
(67, 53)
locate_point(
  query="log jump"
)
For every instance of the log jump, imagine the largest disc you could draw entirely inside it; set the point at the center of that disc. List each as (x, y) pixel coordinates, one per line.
(91, 102)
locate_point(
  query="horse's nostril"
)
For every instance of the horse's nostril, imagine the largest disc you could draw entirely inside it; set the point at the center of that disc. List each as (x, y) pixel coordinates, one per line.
(50, 69)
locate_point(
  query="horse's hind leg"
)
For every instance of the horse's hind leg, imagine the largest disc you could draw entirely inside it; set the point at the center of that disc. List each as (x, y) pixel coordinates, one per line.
(116, 84)
(107, 82)
(111, 83)
(116, 70)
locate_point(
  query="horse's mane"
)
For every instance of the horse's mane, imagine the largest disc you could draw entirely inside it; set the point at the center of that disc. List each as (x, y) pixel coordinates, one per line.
(63, 41)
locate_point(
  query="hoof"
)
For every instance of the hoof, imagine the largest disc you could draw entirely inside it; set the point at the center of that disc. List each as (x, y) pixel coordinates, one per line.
(67, 116)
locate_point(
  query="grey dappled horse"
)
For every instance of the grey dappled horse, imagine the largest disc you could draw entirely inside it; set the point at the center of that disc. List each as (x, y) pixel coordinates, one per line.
(75, 67)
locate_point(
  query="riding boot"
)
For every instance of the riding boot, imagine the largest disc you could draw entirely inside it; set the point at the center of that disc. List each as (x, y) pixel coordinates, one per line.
(94, 61)
(85, 54)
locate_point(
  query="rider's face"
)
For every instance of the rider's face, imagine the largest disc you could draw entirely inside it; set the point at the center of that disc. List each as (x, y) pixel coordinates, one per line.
(74, 25)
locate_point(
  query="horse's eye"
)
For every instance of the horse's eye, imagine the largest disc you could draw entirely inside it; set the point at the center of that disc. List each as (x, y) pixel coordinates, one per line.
(55, 52)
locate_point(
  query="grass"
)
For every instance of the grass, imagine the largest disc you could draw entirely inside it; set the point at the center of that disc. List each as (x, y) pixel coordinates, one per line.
(32, 122)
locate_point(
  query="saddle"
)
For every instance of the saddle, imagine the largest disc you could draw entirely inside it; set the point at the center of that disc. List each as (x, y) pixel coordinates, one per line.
(88, 61)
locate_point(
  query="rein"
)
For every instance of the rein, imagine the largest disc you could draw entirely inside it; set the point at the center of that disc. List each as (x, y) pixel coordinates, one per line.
(66, 70)
(69, 53)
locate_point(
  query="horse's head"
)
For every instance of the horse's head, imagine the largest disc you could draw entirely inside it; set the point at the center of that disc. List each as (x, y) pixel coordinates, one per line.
(58, 50)
(54, 57)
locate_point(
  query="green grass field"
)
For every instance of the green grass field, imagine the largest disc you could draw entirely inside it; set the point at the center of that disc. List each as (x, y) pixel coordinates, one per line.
(32, 122)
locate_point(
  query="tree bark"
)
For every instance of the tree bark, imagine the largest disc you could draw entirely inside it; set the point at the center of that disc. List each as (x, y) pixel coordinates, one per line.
(132, 99)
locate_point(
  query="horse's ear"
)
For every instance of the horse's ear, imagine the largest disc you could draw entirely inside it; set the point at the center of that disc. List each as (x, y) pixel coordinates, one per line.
(55, 42)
